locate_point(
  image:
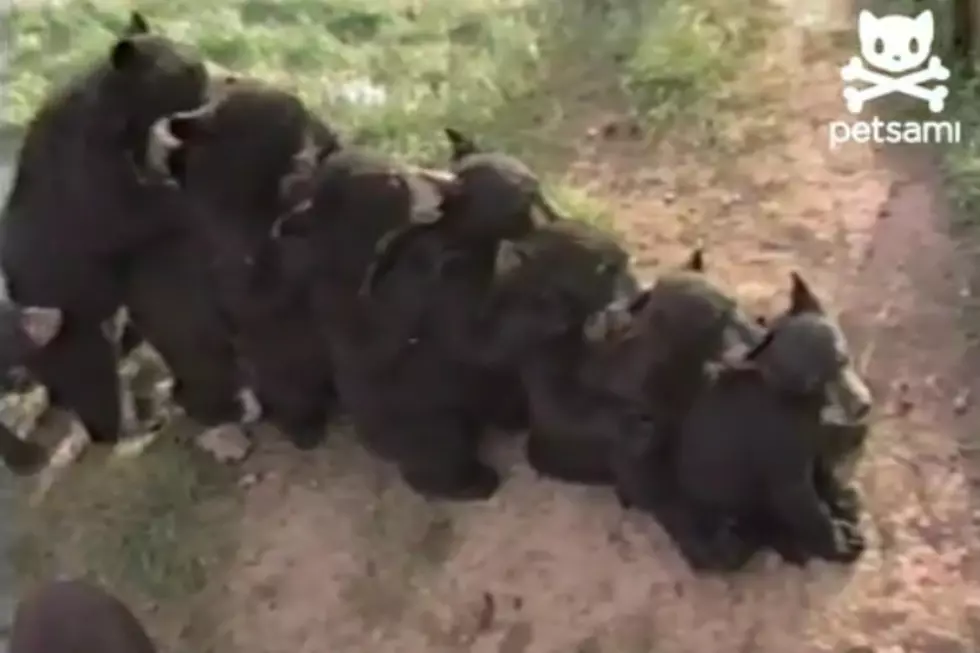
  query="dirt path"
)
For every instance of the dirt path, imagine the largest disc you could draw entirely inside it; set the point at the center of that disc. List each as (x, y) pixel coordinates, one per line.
(338, 556)
(907, 299)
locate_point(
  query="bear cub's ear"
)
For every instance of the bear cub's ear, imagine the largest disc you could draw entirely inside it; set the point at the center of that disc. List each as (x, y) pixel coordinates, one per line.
(461, 146)
(802, 298)
(126, 52)
(695, 262)
(137, 25)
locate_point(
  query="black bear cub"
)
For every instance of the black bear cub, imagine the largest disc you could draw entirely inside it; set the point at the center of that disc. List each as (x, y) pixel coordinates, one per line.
(549, 286)
(247, 159)
(653, 353)
(399, 258)
(74, 616)
(82, 216)
(426, 401)
(748, 467)
(680, 324)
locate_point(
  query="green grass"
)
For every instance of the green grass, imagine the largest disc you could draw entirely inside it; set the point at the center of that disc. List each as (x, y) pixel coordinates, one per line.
(962, 160)
(156, 527)
(516, 73)
(961, 164)
(961, 168)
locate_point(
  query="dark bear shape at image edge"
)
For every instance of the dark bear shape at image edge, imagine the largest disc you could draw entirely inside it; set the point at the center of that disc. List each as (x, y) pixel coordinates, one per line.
(66, 616)
(82, 151)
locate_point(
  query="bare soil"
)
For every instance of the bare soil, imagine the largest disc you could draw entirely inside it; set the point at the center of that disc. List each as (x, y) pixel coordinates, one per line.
(337, 555)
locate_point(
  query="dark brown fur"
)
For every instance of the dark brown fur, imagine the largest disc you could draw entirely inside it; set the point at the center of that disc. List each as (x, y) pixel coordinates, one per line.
(81, 214)
(557, 278)
(245, 161)
(74, 616)
(414, 399)
(748, 466)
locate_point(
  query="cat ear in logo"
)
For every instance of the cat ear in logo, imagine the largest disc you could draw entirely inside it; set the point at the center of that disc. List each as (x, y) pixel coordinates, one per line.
(898, 46)
(926, 24)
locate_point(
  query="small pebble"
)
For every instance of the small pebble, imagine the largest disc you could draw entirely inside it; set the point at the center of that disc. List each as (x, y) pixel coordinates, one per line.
(903, 403)
(227, 443)
(962, 402)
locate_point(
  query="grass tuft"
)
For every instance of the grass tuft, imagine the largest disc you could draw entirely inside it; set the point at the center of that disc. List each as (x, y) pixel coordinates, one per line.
(962, 160)
(579, 204)
(157, 527)
(393, 73)
(689, 54)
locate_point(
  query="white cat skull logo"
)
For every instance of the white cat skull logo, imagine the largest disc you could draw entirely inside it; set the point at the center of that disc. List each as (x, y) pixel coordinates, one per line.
(895, 44)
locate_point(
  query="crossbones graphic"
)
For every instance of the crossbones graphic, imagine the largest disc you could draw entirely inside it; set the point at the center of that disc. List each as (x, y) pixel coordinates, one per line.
(910, 84)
